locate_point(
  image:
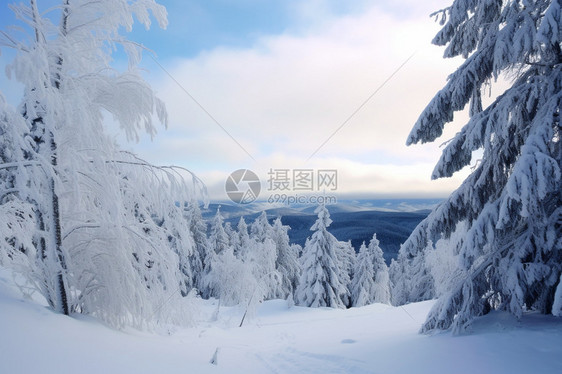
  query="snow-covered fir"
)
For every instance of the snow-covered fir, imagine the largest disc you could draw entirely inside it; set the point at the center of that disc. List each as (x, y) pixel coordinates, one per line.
(321, 282)
(370, 283)
(286, 262)
(510, 257)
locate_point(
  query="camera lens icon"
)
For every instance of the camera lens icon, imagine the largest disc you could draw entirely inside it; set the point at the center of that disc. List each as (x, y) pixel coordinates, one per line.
(243, 186)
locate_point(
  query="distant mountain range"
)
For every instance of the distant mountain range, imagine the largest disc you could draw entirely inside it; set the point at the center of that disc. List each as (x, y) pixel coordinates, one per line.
(357, 220)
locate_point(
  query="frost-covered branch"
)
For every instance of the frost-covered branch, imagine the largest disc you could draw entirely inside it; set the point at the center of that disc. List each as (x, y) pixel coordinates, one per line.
(511, 256)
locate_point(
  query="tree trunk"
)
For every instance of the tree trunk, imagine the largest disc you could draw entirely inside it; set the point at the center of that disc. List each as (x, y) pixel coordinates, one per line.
(62, 305)
(52, 247)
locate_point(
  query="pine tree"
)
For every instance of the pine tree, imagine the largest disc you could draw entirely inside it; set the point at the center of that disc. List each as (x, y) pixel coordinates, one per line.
(260, 229)
(18, 231)
(181, 242)
(399, 281)
(363, 282)
(218, 243)
(411, 278)
(243, 242)
(512, 201)
(286, 263)
(370, 283)
(231, 234)
(319, 284)
(381, 291)
(198, 228)
(219, 240)
(346, 257)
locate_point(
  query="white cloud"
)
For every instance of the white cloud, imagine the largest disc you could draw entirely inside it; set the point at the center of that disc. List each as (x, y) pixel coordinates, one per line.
(285, 96)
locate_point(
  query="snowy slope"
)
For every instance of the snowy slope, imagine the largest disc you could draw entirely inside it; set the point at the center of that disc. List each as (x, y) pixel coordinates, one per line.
(372, 339)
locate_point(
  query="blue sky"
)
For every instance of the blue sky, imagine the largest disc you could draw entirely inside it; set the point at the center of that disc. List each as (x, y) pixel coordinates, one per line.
(281, 76)
(200, 25)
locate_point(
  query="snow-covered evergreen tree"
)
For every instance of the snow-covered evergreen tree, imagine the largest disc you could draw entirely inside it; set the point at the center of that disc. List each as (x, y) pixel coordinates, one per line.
(19, 234)
(370, 283)
(443, 261)
(231, 234)
(512, 200)
(236, 280)
(219, 240)
(320, 284)
(287, 262)
(181, 242)
(346, 257)
(411, 278)
(431, 273)
(260, 229)
(363, 282)
(262, 260)
(100, 242)
(243, 242)
(399, 281)
(381, 291)
(218, 243)
(229, 279)
(198, 228)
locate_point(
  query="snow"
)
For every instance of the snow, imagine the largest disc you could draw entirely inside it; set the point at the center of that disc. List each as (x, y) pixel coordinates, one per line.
(278, 339)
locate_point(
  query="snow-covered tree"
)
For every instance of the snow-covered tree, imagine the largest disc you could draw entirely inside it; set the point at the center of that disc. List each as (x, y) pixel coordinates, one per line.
(381, 291)
(399, 281)
(102, 217)
(181, 242)
(236, 281)
(198, 228)
(218, 243)
(346, 257)
(231, 234)
(260, 229)
(243, 242)
(363, 282)
(431, 273)
(229, 279)
(287, 262)
(219, 240)
(370, 283)
(512, 201)
(320, 284)
(443, 261)
(411, 277)
(262, 260)
(19, 233)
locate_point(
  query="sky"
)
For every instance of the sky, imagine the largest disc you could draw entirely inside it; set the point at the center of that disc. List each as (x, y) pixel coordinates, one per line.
(271, 85)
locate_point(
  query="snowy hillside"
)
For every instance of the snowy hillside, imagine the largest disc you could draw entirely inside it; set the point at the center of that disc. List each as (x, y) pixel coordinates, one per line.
(279, 339)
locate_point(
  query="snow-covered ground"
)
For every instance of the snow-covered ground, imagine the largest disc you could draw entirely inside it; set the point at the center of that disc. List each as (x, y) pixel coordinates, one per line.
(279, 339)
